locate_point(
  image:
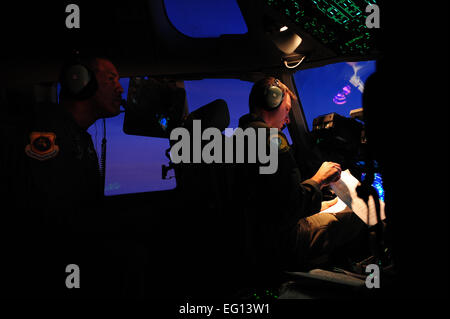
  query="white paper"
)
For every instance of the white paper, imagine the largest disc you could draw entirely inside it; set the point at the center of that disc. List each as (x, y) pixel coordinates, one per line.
(345, 189)
(339, 207)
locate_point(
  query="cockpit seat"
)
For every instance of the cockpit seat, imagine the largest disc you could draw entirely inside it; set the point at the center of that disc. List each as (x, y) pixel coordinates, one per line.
(207, 222)
(214, 114)
(202, 178)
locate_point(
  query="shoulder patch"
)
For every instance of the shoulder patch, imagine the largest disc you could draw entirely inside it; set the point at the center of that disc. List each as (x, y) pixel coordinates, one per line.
(42, 146)
(280, 142)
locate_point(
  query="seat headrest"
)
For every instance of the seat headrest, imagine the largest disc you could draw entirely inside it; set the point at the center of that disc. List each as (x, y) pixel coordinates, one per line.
(214, 114)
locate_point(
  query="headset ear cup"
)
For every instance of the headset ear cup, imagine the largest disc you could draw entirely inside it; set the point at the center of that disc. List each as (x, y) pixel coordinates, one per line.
(77, 78)
(274, 97)
(78, 82)
(91, 87)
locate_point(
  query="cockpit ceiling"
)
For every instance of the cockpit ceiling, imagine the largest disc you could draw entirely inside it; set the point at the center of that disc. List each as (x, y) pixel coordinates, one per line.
(339, 25)
(141, 40)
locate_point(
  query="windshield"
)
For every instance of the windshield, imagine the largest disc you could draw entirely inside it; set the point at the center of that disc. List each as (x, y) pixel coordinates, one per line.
(332, 88)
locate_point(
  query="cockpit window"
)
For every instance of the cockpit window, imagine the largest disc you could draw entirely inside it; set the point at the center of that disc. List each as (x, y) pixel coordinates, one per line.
(332, 88)
(206, 18)
(133, 163)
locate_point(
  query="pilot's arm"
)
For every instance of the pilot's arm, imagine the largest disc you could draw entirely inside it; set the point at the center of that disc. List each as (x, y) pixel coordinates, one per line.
(63, 172)
(303, 199)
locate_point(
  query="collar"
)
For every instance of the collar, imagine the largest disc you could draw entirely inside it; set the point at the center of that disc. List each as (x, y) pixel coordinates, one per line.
(245, 120)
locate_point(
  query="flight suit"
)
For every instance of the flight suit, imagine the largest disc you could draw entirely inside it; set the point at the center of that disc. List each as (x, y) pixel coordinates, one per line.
(62, 200)
(64, 171)
(285, 230)
(274, 203)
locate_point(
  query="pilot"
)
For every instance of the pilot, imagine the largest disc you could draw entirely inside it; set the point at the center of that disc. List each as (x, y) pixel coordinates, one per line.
(284, 228)
(64, 189)
(63, 162)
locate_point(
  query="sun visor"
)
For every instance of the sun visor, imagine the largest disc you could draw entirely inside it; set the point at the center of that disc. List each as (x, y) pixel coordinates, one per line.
(154, 107)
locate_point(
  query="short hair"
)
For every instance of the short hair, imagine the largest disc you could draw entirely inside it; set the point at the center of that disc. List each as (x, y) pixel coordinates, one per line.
(257, 99)
(92, 62)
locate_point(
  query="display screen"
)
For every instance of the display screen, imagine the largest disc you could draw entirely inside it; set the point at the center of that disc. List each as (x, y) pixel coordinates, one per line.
(377, 184)
(377, 178)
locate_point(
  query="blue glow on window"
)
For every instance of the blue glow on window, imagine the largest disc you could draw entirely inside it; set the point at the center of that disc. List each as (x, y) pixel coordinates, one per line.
(205, 18)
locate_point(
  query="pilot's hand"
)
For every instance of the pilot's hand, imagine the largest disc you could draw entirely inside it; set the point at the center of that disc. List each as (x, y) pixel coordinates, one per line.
(328, 173)
(328, 203)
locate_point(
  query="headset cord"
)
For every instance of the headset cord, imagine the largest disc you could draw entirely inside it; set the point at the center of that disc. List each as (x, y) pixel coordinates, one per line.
(103, 159)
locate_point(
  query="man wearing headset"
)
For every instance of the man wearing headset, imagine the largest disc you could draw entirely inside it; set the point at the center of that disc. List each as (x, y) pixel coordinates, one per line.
(284, 227)
(64, 192)
(62, 158)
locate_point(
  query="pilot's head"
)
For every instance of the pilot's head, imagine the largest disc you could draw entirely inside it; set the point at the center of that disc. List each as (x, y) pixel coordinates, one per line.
(108, 96)
(94, 101)
(271, 100)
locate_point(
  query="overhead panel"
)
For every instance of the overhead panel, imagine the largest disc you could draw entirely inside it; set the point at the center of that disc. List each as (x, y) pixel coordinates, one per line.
(340, 25)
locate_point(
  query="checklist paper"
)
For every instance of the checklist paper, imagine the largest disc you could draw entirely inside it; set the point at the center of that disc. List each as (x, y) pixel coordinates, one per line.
(348, 200)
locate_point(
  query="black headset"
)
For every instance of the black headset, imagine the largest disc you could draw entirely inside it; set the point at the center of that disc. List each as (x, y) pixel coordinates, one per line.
(78, 81)
(273, 96)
